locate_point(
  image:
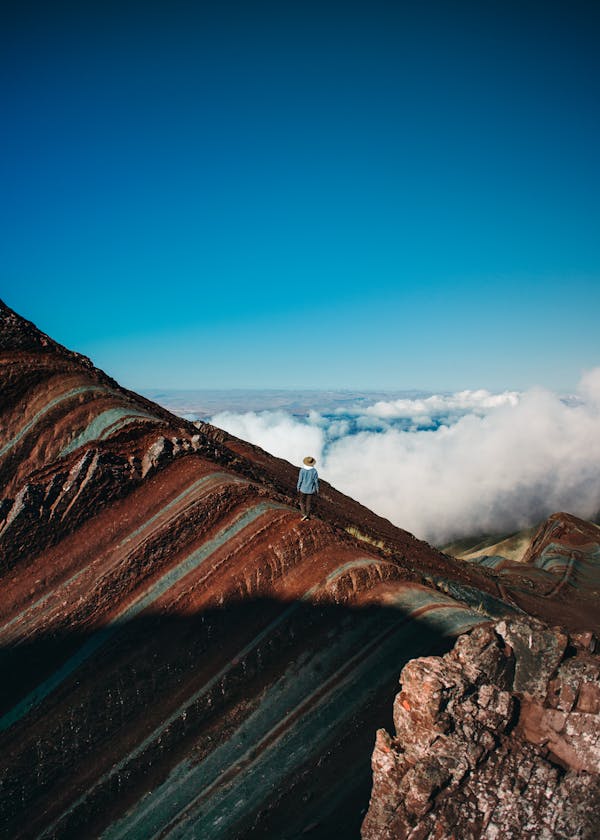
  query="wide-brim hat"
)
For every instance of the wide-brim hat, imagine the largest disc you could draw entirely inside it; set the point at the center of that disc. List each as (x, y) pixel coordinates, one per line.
(309, 461)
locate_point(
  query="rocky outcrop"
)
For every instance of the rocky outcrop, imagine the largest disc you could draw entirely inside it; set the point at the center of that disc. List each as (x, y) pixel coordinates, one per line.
(181, 655)
(499, 738)
(178, 651)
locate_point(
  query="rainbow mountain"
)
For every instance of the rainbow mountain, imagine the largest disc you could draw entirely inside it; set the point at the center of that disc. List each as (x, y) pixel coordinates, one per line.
(180, 654)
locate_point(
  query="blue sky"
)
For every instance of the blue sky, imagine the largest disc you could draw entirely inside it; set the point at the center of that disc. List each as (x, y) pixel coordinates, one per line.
(355, 195)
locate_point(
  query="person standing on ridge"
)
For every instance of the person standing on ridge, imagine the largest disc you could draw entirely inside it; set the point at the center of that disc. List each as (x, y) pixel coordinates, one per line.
(308, 484)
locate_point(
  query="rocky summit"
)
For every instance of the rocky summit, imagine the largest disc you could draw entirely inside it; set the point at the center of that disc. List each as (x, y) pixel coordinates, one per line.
(182, 656)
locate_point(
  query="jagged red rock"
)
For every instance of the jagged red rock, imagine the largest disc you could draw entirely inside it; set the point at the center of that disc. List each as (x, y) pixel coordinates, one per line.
(481, 749)
(179, 652)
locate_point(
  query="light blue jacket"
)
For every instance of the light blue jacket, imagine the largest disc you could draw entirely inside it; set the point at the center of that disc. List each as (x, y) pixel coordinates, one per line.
(308, 480)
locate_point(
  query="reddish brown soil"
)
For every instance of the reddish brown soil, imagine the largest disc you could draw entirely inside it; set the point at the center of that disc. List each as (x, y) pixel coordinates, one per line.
(163, 610)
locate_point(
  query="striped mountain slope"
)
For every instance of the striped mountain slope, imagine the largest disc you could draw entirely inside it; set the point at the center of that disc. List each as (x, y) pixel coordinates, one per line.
(562, 553)
(510, 547)
(180, 654)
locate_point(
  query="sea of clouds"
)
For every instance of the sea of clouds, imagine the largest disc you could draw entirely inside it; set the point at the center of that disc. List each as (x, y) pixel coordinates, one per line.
(446, 466)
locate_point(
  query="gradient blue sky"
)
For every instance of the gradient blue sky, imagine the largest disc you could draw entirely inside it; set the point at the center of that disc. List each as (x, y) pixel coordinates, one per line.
(383, 195)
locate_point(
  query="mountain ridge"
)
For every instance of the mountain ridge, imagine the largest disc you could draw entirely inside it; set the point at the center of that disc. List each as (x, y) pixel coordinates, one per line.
(271, 649)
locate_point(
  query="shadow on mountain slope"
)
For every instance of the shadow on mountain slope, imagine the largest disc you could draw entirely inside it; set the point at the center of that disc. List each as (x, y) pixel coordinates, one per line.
(254, 720)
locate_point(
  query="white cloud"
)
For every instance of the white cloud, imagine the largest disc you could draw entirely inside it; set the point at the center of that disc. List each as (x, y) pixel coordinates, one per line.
(442, 405)
(275, 431)
(589, 387)
(497, 463)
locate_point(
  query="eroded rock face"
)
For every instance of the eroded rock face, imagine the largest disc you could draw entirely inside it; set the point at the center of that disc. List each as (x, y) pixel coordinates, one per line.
(181, 655)
(492, 741)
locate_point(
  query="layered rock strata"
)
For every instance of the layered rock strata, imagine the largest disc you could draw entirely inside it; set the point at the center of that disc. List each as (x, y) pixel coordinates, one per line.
(560, 562)
(564, 551)
(180, 655)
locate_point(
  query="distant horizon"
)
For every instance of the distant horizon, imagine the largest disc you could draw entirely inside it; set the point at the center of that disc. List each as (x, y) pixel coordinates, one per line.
(289, 388)
(568, 389)
(136, 363)
(324, 390)
(198, 403)
(440, 464)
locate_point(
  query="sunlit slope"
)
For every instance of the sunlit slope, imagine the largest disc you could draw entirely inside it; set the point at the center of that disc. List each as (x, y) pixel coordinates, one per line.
(180, 653)
(563, 551)
(510, 547)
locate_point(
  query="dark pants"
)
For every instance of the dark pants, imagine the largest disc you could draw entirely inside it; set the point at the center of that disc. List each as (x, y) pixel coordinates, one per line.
(306, 503)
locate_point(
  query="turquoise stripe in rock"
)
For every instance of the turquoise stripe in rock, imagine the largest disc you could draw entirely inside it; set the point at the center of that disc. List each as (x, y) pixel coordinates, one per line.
(490, 561)
(344, 645)
(361, 563)
(197, 485)
(531, 572)
(193, 782)
(482, 602)
(410, 600)
(190, 702)
(318, 696)
(100, 426)
(581, 570)
(173, 576)
(178, 714)
(131, 418)
(74, 392)
(33, 609)
(552, 557)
